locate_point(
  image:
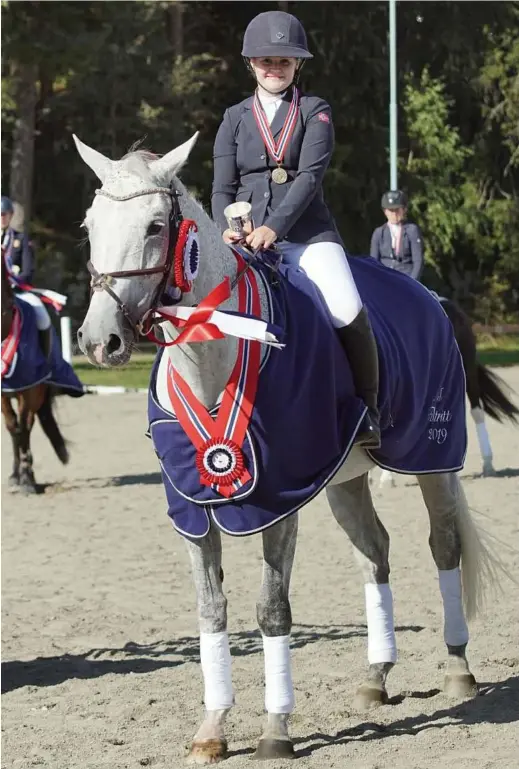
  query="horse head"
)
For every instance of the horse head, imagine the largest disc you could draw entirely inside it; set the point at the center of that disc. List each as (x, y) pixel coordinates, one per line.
(133, 225)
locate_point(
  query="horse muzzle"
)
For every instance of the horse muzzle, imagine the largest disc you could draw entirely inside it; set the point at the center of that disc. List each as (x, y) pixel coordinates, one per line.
(115, 350)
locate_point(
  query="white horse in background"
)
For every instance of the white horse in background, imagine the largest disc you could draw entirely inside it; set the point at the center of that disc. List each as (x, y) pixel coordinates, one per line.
(130, 230)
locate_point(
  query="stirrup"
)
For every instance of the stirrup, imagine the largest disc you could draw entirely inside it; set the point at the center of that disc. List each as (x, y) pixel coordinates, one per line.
(369, 434)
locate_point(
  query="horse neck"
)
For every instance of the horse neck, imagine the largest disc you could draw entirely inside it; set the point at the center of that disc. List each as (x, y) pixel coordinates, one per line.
(206, 366)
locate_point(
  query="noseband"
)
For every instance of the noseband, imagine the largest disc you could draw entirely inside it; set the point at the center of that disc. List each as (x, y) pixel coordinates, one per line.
(102, 281)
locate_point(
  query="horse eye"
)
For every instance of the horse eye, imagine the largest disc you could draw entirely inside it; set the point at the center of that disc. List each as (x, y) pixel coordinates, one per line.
(155, 228)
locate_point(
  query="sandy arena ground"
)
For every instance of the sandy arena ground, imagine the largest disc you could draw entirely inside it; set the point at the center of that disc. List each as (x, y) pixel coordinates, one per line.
(100, 648)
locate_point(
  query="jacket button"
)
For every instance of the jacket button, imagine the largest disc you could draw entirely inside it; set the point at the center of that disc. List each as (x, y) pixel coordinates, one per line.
(265, 194)
(263, 157)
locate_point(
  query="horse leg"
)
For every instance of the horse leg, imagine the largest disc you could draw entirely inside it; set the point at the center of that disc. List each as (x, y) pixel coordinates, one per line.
(445, 503)
(275, 621)
(26, 421)
(386, 477)
(352, 506)
(11, 423)
(209, 744)
(478, 415)
(469, 355)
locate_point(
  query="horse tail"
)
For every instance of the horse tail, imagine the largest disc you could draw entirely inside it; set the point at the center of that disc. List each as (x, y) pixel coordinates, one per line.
(493, 396)
(481, 567)
(50, 427)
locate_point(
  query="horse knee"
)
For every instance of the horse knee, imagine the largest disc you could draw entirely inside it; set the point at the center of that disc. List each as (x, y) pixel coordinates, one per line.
(11, 422)
(274, 614)
(212, 613)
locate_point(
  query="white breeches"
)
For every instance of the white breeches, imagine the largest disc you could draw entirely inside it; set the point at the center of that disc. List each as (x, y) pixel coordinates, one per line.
(42, 316)
(327, 266)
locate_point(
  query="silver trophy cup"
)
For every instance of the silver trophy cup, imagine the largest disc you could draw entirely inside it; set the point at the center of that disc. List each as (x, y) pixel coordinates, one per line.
(238, 215)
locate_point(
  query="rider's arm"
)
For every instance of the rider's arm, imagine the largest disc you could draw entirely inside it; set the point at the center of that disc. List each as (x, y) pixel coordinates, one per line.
(416, 251)
(316, 152)
(374, 250)
(225, 170)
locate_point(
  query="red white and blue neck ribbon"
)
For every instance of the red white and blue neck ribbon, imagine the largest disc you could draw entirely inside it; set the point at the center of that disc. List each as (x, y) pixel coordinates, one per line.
(218, 442)
(205, 323)
(276, 150)
(11, 342)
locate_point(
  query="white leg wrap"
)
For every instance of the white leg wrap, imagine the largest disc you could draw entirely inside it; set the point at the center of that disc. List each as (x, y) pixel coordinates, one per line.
(215, 657)
(478, 415)
(279, 692)
(381, 627)
(455, 630)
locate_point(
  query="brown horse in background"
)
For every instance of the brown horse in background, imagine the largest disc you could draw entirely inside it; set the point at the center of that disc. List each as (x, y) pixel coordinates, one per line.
(31, 402)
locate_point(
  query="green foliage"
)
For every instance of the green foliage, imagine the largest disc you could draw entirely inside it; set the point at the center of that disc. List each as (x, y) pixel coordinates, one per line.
(436, 166)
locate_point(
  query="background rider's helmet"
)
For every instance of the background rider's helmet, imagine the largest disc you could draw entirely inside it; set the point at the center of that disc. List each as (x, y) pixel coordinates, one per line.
(275, 33)
(393, 200)
(7, 205)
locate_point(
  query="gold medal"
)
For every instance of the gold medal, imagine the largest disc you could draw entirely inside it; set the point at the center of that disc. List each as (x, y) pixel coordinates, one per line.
(279, 175)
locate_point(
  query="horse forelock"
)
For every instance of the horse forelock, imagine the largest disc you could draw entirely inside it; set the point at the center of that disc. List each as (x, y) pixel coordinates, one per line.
(133, 170)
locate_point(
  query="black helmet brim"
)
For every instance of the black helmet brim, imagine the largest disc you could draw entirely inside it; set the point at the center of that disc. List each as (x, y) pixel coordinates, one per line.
(281, 51)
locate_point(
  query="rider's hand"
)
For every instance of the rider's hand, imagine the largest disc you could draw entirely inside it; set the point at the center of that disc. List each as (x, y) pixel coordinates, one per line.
(229, 236)
(261, 237)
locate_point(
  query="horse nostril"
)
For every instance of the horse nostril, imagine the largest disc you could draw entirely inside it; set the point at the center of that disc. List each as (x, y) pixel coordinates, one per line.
(114, 344)
(79, 335)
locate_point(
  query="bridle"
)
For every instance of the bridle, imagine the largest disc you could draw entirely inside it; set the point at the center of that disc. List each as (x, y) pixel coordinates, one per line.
(101, 281)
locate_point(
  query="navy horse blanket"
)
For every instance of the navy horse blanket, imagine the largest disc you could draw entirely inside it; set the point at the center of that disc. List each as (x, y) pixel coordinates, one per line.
(26, 365)
(305, 414)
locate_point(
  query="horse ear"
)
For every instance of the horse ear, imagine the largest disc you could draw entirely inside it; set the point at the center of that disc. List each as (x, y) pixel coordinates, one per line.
(99, 164)
(168, 166)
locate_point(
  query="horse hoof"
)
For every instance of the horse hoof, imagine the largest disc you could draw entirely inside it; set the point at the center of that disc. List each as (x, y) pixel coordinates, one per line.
(28, 488)
(462, 686)
(14, 481)
(368, 697)
(269, 748)
(207, 752)
(488, 471)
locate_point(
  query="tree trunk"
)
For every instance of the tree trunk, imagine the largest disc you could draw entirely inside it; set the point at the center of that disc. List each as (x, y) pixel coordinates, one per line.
(176, 18)
(22, 159)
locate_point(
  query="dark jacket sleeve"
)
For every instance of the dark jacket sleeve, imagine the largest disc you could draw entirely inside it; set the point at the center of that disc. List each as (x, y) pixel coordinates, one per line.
(225, 171)
(316, 152)
(416, 251)
(374, 250)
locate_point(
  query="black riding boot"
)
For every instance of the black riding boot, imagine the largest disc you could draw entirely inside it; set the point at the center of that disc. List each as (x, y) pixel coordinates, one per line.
(360, 346)
(46, 341)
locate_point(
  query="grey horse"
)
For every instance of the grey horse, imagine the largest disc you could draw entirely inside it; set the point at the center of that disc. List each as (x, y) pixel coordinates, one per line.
(128, 227)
